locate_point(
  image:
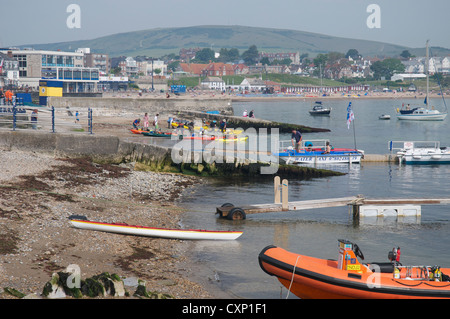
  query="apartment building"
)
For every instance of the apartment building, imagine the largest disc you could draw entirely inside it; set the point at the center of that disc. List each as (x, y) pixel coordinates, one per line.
(68, 67)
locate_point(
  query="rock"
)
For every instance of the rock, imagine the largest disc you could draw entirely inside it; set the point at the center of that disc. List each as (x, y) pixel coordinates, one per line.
(131, 282)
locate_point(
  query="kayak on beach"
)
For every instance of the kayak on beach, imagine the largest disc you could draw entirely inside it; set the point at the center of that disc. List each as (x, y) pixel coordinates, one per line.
(122, 228)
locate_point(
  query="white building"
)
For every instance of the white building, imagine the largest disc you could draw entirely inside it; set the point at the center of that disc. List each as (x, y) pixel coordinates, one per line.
(147, 67)
(407, 76)
(67, 67)
(213, 83)
(252, 85)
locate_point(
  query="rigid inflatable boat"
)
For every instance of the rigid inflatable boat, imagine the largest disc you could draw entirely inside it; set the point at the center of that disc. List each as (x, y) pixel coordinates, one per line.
(314, 278)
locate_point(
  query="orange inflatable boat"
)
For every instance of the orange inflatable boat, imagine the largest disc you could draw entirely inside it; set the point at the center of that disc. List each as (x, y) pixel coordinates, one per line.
(314, 278)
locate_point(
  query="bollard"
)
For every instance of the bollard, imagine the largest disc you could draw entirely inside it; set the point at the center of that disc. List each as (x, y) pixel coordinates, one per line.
(14, 117)
(277, 190)
(284, 195)
(90, 120)
(53, 119)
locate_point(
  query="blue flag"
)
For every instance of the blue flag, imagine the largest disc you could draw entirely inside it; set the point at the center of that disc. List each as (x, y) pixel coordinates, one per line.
(350, 115)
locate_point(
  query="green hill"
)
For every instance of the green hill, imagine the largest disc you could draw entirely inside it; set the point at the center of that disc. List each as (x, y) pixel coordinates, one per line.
(157, 42)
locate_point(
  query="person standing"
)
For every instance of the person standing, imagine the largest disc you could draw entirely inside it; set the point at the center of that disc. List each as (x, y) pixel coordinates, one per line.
(146, 122)
(296, 139)
(8, 97)
(223, 126)
(34, 118)
(155, 122)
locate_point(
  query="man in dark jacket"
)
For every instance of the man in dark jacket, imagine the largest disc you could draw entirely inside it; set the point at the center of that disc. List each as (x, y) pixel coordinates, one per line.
(296, 139)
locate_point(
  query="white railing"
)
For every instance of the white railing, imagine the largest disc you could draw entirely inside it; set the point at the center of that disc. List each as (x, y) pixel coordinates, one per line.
(406, 145)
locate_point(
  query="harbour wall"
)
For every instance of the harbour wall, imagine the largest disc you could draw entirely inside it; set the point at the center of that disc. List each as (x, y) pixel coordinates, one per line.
(139, 105)
(112, 149)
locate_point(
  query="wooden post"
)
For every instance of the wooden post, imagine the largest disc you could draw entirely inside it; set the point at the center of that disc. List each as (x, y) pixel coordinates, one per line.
(284, 195)
(277, 190)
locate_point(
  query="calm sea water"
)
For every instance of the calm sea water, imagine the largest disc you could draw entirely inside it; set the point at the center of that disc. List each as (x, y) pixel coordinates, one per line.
(233, 266)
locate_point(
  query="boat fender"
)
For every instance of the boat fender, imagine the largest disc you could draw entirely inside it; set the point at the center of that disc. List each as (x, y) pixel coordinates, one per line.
(384, 268)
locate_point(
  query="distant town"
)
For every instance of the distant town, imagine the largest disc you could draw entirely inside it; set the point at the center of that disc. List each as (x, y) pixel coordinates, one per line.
(228, 70)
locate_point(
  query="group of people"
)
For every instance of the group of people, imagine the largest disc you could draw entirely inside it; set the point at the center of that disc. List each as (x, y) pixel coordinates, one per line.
(251, 114)
(296, 139)
(146, 124)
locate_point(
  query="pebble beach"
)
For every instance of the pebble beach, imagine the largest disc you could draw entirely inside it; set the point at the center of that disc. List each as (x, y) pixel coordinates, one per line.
(39, 193)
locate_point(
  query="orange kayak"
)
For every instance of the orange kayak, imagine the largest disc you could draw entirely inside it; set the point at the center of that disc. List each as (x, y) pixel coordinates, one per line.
(315, 278)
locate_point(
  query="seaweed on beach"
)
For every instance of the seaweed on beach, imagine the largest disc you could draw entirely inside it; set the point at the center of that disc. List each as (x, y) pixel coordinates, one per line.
(82, 170)
(8, 241)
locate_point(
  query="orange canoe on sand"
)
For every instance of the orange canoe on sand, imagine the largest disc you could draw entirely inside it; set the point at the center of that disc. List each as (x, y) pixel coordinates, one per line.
(314, 278)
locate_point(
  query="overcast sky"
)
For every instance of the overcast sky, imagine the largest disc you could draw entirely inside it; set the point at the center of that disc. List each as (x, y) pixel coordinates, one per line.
(405, 22)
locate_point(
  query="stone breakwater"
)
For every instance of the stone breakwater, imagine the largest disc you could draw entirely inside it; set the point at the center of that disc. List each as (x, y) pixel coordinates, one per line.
(116, 150)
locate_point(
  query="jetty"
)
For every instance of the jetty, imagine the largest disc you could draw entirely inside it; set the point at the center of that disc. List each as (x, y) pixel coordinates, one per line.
(358, 205)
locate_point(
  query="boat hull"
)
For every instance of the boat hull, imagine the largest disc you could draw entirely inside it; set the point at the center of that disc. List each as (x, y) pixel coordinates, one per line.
(428, 159)
(192, 234)
(159, 134)
(317, 157)
(324, 112)
(423, 116)
(425, 156)
(314, 278)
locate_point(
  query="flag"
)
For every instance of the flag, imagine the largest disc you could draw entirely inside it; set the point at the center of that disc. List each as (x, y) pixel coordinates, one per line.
(350, 115)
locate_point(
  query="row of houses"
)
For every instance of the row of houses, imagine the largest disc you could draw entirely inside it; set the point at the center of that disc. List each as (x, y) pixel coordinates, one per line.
(436, 65)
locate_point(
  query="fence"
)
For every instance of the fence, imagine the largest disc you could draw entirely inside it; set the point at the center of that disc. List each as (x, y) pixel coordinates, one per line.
(21, 117)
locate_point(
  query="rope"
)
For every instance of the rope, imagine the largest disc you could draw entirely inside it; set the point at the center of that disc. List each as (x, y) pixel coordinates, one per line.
(292, 279)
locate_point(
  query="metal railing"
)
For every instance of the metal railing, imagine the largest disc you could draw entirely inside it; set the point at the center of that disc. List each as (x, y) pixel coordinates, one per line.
(17, 117)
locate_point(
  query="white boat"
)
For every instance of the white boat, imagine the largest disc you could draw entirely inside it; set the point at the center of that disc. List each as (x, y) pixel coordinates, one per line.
(421, 152)
(193, 234)
(384, 117)
(423, 113)
(312, 152)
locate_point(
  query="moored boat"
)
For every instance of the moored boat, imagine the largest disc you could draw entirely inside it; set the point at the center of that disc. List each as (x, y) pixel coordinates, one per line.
(314, 278)
(156, 134)
(315, 152)
(421, 152)
(319, 109)
(423, 113)
(198, 137)
(122, 228)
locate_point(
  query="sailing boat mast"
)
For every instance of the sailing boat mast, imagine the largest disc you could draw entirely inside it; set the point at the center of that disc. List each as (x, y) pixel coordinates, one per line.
(427, 66)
